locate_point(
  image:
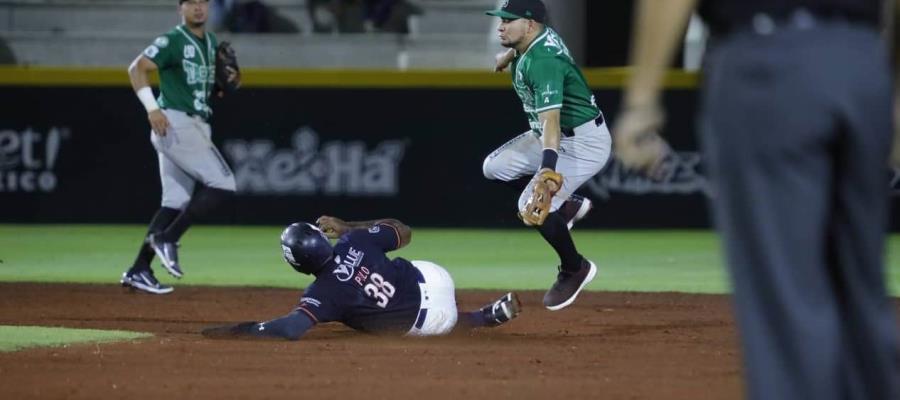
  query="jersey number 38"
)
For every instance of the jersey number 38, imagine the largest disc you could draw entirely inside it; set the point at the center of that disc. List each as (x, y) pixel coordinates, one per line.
(380, 290)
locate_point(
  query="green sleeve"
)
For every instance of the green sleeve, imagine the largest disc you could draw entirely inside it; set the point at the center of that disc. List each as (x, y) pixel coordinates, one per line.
(546, 77)
(161, 52)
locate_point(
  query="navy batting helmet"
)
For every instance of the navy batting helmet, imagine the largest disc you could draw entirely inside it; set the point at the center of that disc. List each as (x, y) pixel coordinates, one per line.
(305, 247)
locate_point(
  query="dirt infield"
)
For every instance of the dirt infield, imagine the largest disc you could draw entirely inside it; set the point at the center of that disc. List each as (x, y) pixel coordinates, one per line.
(608, 345)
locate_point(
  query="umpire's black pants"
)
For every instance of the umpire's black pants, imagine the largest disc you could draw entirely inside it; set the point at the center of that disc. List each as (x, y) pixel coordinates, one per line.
(797, 130)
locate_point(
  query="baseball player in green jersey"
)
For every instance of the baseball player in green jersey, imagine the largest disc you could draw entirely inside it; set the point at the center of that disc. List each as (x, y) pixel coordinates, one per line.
(195, 178)
(568, 142)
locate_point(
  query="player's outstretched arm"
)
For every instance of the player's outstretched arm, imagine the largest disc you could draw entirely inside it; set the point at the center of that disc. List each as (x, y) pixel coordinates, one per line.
(334, 227)
(403, 230)
(291, 327)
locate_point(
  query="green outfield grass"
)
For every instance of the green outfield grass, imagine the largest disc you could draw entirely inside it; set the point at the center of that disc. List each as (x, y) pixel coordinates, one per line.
(684, 261)
(14, 338)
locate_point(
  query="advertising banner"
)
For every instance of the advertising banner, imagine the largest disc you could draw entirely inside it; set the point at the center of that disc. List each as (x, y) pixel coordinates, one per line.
(82, 154)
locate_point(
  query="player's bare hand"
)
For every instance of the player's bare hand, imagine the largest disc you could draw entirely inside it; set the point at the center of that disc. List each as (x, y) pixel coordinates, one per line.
(158, 122)
(332, 227)
(638, 146)
(503, 59)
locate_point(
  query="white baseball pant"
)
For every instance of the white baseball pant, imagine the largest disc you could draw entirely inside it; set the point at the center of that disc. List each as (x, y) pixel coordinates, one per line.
(581, 156)
(187, 155)
(438, 301)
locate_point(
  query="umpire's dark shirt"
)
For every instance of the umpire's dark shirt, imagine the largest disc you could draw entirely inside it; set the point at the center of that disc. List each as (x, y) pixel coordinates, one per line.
(726, 15)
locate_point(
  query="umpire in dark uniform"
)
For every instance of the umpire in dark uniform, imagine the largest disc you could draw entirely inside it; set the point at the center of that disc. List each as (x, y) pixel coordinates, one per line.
(797, 129)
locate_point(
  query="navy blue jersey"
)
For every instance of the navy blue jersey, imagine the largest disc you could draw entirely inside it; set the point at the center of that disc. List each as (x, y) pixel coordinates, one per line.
(365, 289)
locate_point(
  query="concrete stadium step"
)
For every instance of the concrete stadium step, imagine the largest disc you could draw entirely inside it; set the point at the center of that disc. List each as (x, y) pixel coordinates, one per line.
(265, 50)
(452, 16)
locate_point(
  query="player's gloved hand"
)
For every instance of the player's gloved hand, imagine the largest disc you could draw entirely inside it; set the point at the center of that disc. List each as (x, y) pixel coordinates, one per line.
(638, 146)
(332, 227)
(243, 330)
(228, 73)
(158, 122)
(546, 183)
(233, 78)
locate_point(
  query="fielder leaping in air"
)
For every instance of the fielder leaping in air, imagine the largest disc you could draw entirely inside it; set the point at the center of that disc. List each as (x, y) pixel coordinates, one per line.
(358, 285)
(568, 142)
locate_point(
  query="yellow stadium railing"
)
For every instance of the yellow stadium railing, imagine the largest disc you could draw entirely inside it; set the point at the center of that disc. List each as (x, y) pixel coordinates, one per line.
(599, 78)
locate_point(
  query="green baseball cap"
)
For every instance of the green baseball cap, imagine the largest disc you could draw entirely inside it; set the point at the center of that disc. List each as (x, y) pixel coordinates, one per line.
(528, 9)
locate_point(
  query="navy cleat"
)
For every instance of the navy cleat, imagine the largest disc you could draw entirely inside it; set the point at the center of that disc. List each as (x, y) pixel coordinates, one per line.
(145, 281)
(568, 285)
(167, 253)
(575, 209)
(502, 310)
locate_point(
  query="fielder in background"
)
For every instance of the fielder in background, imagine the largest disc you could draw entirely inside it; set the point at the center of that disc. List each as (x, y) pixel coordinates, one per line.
(358, 285)
(568, 142)
(796, 127)
(195, 178)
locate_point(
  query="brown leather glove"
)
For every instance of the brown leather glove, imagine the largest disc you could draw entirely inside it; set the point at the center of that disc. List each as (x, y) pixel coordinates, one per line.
(547, 183)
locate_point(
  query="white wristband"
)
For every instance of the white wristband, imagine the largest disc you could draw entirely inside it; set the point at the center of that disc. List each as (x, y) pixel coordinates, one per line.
(145, 95)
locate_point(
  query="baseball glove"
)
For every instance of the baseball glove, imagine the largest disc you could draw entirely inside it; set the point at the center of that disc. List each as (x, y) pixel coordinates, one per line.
(234, 331)
(547, 183)
(228, 74)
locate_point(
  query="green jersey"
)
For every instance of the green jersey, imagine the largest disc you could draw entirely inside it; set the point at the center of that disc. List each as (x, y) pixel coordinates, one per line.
(187, 70)
(545, 77)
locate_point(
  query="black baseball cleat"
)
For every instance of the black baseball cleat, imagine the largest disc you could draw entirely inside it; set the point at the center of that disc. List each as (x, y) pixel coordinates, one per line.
(502, 310)
(167, 253)
(575, 209)
(145, 281)
(568, 285)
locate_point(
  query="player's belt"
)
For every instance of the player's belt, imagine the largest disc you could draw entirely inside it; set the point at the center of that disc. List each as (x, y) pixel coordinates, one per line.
(188, 113)
(569, 132)
(193, 115)
(420, 320)
(423, 312)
